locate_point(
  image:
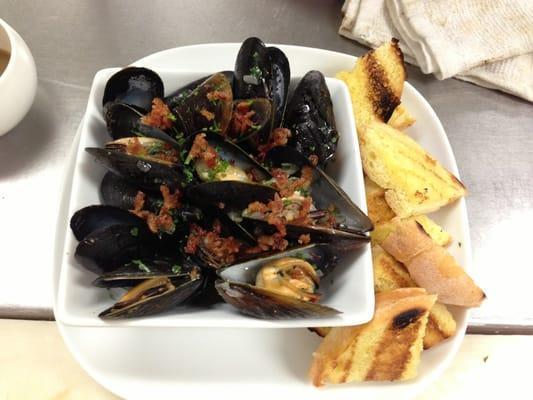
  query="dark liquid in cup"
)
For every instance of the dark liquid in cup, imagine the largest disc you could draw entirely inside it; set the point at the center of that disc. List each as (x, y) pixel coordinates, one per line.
(4, 59)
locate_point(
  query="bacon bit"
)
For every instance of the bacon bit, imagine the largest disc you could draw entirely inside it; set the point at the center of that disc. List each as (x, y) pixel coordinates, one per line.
(222, 249)
(201, 149)
(287, 187)
(163, 221)
(160, 115)
(313, 159)
(303, 215)
(208, 115)
(278, 137)
(216, 95)
(304, 238)
(269, 242)
(241, 120)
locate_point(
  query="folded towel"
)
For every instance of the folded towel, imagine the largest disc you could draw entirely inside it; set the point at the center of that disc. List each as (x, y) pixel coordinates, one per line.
(487, 42)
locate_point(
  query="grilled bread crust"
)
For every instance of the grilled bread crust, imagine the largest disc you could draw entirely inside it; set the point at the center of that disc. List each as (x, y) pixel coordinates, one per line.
(385, 349)
(430, 265)
(376, 83)
(414, 182)
(389, 274)
(401, 118)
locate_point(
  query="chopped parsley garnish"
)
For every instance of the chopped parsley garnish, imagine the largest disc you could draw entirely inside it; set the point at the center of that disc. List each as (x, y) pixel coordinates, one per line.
(221, 167)
(142, 266)
(134, 231)
(256, 73)
(188, 175)
(171, 117)
(155, 148)
(176, 268)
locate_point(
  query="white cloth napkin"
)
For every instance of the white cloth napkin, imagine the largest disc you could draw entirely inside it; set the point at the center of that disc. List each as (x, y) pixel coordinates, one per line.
(486, 42)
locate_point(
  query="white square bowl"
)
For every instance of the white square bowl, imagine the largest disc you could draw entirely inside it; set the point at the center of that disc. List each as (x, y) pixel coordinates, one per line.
(349, 288)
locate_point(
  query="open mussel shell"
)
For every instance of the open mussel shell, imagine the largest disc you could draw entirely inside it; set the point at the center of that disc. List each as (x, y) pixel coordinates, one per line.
(154, 296)
(108, 248)
(133, 86)
(309, 116)
(261, 119)
(147, 148)
(318, 254)
(147, 174)
(123, 121)
(261, 303)
(136, 270)
(175, 98)
(241, 165)
(93, 218)
(324, 190)
(207, 108)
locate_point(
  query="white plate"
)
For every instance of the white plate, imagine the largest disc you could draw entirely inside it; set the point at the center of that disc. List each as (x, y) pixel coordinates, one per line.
(349, 288)
(239, 363)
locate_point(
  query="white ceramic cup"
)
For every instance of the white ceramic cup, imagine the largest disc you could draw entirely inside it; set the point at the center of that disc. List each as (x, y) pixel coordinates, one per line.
(18, 82)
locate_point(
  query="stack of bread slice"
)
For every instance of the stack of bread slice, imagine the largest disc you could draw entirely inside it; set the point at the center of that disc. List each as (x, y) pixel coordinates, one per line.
(415, 277)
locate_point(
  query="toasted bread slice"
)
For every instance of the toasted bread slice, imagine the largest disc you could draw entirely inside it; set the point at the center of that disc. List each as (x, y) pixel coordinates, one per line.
(430, 265)
(401, 118)
(385, 349)
(414, 182)
(389, 274)
(435, 231)
(376, 83)
(378, 209)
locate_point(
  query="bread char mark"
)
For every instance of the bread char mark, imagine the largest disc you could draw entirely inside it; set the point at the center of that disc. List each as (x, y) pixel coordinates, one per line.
(406, 318)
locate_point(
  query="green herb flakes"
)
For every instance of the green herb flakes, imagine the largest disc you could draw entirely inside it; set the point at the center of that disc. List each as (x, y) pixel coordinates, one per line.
(134, 231)
(142, 266)
(176, 268)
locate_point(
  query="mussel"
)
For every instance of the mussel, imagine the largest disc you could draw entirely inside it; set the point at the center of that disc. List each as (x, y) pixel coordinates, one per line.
(155, 295)
(144, 171)
(124, 121)
(207, 108)
(279, 286)
(133, 86)
(229, 175)
(310, 118)
(327, 195)
(262, 71)
(109, 236)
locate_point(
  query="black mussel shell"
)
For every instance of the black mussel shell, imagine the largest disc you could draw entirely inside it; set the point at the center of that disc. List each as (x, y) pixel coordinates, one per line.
(108, 248)
(261, 303)
(154, 296)
(324, 190)
(279, 84)
(309, 116)
(118, 192)
(123, 121)
(147, 174)
(177, 97)
(229, 195)
(154, 266)
(134, 86)
(207, 108)
(93, 218)
(252, 70)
